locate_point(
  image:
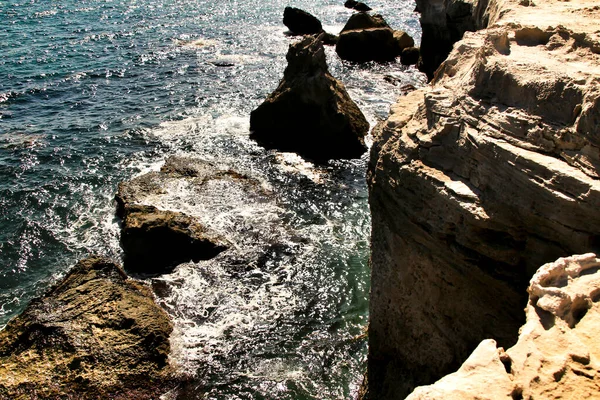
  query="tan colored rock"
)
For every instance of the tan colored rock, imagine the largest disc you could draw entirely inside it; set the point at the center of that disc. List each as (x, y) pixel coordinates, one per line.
(96, 334)
(557, 355)
(477, 180)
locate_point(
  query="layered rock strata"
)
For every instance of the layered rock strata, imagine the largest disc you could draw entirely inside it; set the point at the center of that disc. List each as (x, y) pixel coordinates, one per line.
(310, 111)
(475, 182)
(557, 355)
(96, 334)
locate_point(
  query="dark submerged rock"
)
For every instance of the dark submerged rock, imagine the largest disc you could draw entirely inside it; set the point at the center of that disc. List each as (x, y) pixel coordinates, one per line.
(96, 334)
(300, 22)
(310, 112)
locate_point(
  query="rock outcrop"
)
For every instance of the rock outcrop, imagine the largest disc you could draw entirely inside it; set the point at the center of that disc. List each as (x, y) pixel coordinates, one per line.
(96, 334)
(443, 23)
(368, 37)
(310, 112)
(299, 22)
(557, 355)
(475, 182)
(156, 241)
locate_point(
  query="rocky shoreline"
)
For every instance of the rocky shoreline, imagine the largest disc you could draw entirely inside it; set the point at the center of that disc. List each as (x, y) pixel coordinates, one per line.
(475, 182)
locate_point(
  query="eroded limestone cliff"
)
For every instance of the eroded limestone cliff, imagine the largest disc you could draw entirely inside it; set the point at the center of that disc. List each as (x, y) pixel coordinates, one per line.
(557, 354)
(476, 181)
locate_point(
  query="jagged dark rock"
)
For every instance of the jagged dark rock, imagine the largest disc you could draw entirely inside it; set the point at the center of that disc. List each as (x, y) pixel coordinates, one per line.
(96, 334)
(373, 44)
(299, 22)
(310, 112)
(156, 241)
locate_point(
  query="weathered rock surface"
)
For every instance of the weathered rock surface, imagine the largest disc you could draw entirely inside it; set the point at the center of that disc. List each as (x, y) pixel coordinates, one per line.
(557, 355)
(300, 22)
(368, 37)
(156, 241)
(96, 334)
(475, 182)
(164, 222)
(310, 112)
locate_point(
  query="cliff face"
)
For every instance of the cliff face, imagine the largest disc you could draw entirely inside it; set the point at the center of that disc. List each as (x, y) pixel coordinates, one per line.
(557, 354)
(478, 180)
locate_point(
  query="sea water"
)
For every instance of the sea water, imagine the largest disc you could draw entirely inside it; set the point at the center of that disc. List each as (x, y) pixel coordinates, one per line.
(95, 92)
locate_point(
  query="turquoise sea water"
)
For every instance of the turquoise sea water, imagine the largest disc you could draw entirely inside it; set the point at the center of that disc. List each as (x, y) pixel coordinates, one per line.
(95, 92)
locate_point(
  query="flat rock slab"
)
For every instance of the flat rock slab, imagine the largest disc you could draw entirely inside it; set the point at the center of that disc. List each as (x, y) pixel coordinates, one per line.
(190, 210)
(96, 334)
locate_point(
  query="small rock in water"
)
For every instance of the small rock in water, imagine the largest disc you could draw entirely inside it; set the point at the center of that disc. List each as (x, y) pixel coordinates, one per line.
(362, 7)
(409, 56)
(350, 3)
(299, 22)
(310, 112)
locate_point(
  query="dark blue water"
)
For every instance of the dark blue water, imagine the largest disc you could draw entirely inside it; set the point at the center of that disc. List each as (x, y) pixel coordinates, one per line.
(95, 92)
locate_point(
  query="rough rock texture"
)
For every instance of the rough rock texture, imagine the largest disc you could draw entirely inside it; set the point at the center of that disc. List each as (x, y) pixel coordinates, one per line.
(96, 334)
(157, 233)
(156, 241)
(443, 23)
(557, 355)
(478, 180)
(300, 22)
(310, 112)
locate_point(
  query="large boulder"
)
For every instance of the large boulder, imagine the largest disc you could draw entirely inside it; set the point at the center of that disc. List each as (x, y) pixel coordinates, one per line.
(156, 241)
(373, 44)
(310, 112)
(96, 334)
(368, 37)
(300, 22)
